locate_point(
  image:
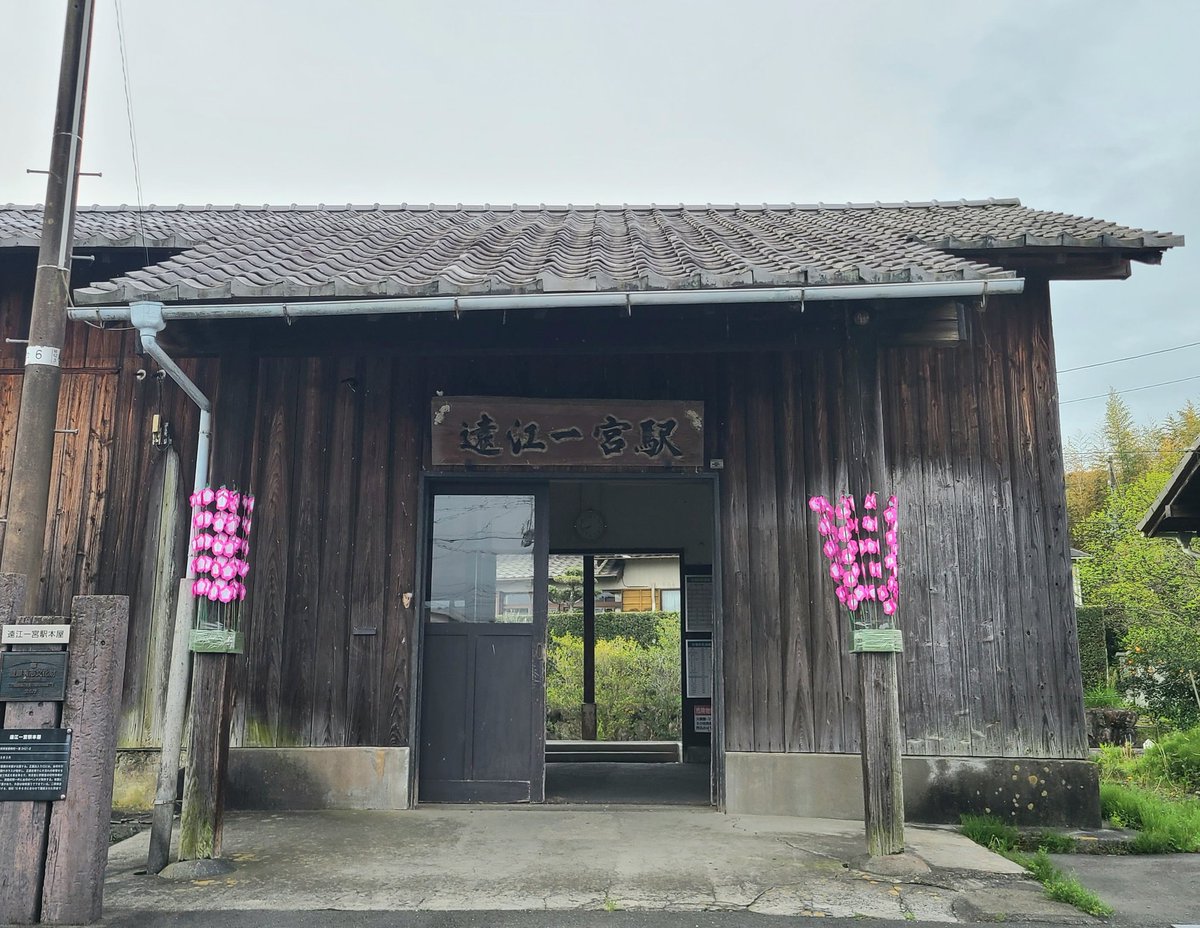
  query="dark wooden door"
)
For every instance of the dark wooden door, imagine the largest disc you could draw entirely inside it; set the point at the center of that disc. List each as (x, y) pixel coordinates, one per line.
(483, 730)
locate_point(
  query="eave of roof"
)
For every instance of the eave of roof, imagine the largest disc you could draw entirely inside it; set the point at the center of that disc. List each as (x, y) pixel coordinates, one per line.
(1161, 520)
(330, 252)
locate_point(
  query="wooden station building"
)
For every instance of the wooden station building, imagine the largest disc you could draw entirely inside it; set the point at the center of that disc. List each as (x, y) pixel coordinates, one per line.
(414, 392)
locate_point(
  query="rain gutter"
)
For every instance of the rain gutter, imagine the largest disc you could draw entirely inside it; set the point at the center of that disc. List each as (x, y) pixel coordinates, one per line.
(299, 309)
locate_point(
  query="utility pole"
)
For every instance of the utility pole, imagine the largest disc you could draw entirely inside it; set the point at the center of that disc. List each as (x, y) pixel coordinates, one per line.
(29, 493)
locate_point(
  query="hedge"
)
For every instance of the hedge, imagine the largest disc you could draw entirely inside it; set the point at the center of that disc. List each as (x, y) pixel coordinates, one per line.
(637, 688)
(641, 627)
(1093, 649)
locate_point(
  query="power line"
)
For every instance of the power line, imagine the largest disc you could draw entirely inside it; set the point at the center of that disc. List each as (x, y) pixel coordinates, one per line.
(137, 165)
(1149, 386)
(1132, 357)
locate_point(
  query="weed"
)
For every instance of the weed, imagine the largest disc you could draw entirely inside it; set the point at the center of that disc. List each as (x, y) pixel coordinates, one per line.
(1164, 825)
(991, 832)
(1176, 759)
(1103, 697)
(1063, 887)
(1055, 842)
(1059, 886)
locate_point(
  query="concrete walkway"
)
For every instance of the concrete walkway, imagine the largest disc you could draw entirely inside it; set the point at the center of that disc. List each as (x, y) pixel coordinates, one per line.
(579, 858)
(1145, 889)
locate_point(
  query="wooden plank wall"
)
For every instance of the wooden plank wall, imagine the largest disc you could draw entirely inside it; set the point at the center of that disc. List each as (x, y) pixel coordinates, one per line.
(103, 472)
(972, 447)
(334, 449)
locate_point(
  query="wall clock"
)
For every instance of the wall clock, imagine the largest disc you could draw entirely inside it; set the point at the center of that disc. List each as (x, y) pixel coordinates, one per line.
(590, 525)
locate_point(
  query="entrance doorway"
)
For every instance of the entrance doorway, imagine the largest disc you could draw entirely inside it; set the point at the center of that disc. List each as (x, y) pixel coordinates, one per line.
(489, 586)
(482, 737)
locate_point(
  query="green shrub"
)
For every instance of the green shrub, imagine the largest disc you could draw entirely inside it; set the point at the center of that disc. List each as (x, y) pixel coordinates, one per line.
(637, 687)
(1165, 825)
(641, 627)
(1176, 759)
(1093, 650)
(1162, 666)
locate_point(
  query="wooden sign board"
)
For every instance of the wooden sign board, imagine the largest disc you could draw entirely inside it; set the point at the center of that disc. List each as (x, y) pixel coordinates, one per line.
(488, 431)
(33, 676)
(34, 763)
(35, 634)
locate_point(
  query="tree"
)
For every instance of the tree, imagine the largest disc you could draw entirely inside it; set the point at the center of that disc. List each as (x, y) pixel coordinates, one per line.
(566, 589)
(1151, 589)
(1125, 442)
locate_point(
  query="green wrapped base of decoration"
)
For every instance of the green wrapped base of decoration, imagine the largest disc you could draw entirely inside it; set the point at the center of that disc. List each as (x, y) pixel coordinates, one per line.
(870, 640)
(215, 641)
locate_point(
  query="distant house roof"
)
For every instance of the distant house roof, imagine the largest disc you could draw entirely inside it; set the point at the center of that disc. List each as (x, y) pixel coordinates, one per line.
(314, 252)
(1177, 509)
(520, 566)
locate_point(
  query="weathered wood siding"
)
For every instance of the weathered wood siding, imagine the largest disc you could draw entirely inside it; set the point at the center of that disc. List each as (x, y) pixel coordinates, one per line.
(104, 471)
(334, 445)
(973, 450)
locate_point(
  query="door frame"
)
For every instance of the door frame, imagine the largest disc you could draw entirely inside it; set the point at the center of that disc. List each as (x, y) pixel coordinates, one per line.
(473, 485)
(433, 482)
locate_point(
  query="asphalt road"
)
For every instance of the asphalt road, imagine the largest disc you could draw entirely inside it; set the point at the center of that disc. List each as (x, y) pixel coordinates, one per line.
(330, 919)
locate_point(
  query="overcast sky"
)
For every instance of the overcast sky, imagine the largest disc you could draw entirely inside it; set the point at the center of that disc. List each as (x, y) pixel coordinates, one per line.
(1088, 106)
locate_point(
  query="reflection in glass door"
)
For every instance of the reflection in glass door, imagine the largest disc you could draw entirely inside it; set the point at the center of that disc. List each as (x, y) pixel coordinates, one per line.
(483, 695)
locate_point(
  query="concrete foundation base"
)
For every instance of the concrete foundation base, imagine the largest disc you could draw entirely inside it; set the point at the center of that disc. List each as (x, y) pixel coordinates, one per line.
(1025, 791)
(318, 778)
(283, 778)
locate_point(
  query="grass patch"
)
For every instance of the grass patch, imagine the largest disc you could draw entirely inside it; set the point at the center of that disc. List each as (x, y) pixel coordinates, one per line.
(1165, 826)
(999, 836)
(991, 832)
(1103, 697)
(1054, 842)
(1061, 886)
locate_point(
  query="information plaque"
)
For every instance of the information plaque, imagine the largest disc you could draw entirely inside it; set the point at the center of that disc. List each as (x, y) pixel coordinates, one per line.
(33, 676)
(34, 763)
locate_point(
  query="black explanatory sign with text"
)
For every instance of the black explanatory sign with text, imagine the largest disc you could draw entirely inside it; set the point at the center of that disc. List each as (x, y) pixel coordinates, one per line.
(34, 763)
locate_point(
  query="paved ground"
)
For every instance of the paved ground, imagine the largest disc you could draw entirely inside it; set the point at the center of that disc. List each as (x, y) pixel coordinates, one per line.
(1151, 890)
(261, 919)
(570, 859)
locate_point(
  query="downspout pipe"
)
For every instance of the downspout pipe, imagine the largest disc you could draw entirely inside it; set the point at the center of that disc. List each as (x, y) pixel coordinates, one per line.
(947, 289)
(147, 318)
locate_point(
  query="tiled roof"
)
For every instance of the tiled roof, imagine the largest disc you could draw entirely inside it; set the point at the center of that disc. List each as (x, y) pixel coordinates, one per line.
(301, 252)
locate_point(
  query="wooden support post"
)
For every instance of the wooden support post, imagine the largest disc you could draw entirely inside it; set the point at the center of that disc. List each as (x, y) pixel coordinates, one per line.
(172, 732)
(883, 784)
(22, 824)
(879, 695)
(589, 648)
(203, 815)
(200, 824)
(77, 849)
